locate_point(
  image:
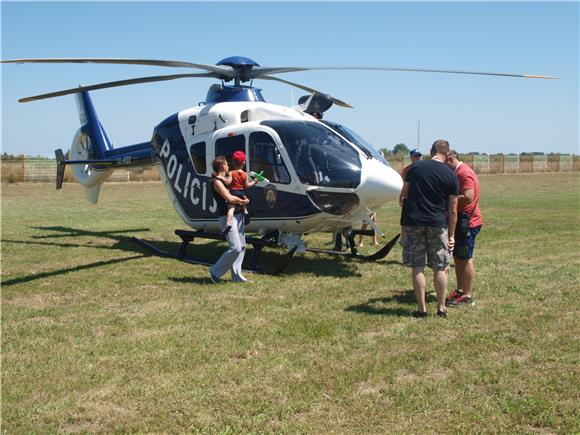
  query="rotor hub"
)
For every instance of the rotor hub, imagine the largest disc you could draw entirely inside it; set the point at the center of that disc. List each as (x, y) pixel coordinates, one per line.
(241, 66)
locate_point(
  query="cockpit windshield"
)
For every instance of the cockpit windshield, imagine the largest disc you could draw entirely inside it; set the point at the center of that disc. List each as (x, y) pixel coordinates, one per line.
(365, 146)
(319, 156)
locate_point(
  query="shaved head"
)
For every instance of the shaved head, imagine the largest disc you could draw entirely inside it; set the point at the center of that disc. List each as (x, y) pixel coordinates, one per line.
(440, 147)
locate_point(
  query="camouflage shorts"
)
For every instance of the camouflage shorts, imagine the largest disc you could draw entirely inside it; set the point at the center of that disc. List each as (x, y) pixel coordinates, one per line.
(430, 241)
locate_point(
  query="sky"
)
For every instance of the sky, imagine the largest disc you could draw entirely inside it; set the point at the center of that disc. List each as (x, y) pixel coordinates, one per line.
(475, 113)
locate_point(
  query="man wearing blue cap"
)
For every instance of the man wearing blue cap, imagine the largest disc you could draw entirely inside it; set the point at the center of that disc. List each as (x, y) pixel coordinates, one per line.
(415, 155)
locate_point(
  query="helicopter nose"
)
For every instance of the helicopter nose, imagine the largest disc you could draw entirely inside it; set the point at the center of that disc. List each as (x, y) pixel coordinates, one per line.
(380, 184)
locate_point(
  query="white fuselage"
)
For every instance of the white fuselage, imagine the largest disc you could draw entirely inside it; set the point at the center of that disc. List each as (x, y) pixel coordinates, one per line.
(215, 125)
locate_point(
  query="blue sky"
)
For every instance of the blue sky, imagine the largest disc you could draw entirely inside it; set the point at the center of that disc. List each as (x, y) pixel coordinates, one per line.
(475, 113)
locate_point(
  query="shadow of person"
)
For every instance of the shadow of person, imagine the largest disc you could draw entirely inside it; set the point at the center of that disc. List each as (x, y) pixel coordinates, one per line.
(381, 306)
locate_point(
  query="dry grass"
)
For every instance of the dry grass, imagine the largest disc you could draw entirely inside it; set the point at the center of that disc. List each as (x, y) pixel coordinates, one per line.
(98, 337)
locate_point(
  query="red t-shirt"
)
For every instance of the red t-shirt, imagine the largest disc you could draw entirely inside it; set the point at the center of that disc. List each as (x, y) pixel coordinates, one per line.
(239, 178)
(468, 180)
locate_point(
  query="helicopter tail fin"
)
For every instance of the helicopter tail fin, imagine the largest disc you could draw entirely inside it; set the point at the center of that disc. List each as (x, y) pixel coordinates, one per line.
(92, 155)
(92, 127)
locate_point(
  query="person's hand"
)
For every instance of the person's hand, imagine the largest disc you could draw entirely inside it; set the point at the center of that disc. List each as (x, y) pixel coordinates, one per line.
(451, 243)
(244, 201)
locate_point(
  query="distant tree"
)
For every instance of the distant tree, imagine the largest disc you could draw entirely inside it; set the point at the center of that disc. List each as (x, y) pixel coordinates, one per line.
(400, 148)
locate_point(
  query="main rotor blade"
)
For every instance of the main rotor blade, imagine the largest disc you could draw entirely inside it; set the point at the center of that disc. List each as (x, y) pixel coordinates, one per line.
(257, 72)
(225, 71)
(307, 89)
(113, 85)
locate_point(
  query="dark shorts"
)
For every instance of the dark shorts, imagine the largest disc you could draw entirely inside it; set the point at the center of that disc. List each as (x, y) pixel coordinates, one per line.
(464, 247)
(238, 193)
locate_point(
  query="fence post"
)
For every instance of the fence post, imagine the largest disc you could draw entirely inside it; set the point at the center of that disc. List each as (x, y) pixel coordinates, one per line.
(21, 167)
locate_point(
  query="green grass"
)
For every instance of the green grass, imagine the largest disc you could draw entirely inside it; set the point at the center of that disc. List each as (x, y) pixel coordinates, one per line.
(98, 337)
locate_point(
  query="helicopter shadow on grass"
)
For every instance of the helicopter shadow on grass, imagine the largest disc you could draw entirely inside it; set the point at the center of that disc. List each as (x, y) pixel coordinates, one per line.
(208, 252)
(269, 260)
(122, 243)
(381, 306)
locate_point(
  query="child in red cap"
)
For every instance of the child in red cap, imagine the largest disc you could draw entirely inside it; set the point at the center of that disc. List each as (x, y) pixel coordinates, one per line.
(237, 183)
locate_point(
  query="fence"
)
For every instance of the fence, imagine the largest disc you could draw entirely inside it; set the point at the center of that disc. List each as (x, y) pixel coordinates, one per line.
(35, 170)
(44, 171)
(510, 163)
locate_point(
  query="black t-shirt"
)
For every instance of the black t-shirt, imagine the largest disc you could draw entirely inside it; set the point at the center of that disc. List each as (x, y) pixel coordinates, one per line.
(222, 205)
(430, 184)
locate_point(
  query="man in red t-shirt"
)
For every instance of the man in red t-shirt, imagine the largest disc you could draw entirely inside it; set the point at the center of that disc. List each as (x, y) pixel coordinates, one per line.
(465, 244)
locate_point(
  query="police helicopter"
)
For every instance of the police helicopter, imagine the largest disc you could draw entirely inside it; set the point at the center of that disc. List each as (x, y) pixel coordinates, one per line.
(317, 175)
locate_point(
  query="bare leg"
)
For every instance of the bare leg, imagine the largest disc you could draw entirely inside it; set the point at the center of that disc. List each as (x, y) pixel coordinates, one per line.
(458, 273)
(360, 241)
(465, 271)
(440, 278)
(375, 237)
(230, 215)
(229, 219)
(419, 287)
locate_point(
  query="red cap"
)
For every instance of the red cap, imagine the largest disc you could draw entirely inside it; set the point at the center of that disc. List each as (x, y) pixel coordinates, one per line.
(239, 156)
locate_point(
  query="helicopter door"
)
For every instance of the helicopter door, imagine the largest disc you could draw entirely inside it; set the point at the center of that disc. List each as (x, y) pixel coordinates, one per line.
(227, 146)
(265, 157)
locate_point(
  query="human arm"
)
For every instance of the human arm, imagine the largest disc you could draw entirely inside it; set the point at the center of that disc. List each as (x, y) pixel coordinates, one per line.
(220, 188)
(226, 179)
(451, 220)
(404, 193)
(248, 184)
(466, 197)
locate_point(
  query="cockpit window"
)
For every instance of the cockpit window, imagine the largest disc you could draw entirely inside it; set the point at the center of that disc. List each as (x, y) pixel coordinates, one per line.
(365, 146)
(319, 156)
(265, 158)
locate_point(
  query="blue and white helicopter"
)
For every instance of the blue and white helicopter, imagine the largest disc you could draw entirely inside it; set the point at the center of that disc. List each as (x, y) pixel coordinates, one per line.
(320, 175)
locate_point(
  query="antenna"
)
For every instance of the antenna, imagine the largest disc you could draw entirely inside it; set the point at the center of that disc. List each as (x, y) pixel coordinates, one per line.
(418, 131)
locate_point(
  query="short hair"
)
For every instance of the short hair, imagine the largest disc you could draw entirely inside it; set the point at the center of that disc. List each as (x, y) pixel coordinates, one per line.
(440, 147)
(218, 163)
(453, 154)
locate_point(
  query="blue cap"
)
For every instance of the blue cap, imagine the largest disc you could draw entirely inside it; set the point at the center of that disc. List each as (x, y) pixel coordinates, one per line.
(415, 153)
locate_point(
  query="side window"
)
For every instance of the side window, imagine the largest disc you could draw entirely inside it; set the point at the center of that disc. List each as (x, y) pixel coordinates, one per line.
(227, 146)
(264, 156)
(198, 157)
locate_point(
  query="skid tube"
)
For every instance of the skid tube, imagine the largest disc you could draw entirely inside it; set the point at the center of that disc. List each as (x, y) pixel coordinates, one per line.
(353, 252)
(269, 240)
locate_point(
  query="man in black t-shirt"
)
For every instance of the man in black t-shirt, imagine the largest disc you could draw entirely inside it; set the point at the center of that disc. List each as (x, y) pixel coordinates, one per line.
(429, 200)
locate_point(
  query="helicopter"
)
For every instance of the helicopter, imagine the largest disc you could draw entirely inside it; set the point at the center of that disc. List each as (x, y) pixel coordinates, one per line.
(317, 175)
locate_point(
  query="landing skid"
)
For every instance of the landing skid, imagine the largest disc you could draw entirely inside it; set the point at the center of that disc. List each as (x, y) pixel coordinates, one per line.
(270, 240)
(187, 237)
(353, 252)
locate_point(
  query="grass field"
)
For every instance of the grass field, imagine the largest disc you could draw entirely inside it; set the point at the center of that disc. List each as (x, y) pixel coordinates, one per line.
(98, 337)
